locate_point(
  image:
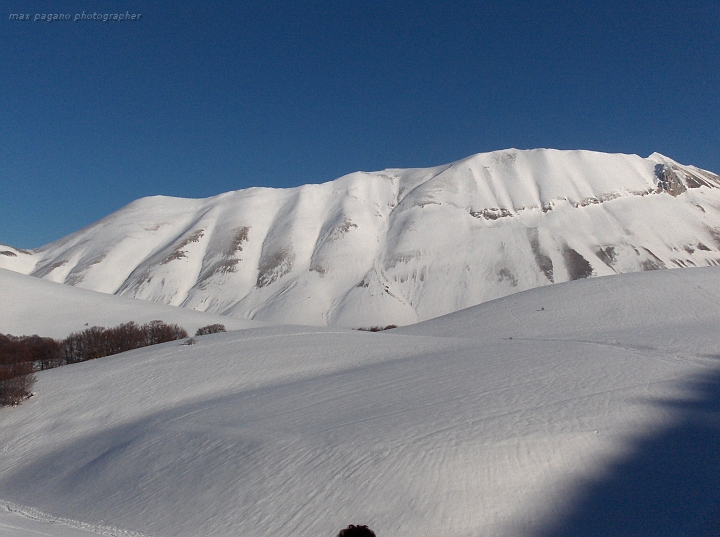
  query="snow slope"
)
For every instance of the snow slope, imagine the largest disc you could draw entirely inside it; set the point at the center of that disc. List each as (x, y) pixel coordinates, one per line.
(674, 308)
(35, 306)
(397, 246)
(600, 417)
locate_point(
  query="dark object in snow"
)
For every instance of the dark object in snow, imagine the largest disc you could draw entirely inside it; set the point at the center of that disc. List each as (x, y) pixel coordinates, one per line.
(356, 531)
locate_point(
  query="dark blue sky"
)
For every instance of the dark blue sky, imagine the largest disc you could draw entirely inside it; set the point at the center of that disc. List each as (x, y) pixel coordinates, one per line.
(195, 100)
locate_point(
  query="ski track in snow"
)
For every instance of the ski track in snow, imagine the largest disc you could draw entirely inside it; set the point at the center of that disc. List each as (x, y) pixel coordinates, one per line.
(23, 521)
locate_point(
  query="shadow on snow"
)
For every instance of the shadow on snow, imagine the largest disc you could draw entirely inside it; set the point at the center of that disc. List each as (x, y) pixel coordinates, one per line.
(668, 486)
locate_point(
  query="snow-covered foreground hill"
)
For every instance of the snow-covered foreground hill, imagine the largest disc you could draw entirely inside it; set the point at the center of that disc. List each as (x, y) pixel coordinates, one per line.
(35, 306)
(397, 246)
(583, 409)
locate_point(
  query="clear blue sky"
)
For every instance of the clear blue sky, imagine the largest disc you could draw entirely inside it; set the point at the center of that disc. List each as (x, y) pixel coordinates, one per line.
(195, 99)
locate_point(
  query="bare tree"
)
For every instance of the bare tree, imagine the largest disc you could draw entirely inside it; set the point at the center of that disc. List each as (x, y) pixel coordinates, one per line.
(17, 376)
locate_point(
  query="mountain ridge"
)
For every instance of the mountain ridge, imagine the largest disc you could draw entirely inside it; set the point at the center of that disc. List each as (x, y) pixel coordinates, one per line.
(400, 245)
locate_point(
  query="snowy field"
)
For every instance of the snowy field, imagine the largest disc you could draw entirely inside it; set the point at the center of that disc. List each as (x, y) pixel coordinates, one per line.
(590, 408)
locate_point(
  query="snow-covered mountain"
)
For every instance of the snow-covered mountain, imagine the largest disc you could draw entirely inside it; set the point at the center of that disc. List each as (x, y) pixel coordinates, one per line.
(397, 246)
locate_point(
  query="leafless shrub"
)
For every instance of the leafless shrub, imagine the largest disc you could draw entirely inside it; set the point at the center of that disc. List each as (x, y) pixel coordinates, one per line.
(210, 329)
(97, 342)
(45, 352)
(378, 328)
(159, 332)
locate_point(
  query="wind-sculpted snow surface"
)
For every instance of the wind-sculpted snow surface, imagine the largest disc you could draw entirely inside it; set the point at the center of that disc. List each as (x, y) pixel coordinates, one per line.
(397, 246)
(507, 419)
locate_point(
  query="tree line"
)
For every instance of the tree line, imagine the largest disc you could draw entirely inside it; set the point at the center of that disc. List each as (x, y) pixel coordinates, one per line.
(21, 356)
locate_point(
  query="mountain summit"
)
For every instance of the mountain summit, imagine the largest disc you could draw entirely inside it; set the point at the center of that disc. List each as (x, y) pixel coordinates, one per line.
(400, 245)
